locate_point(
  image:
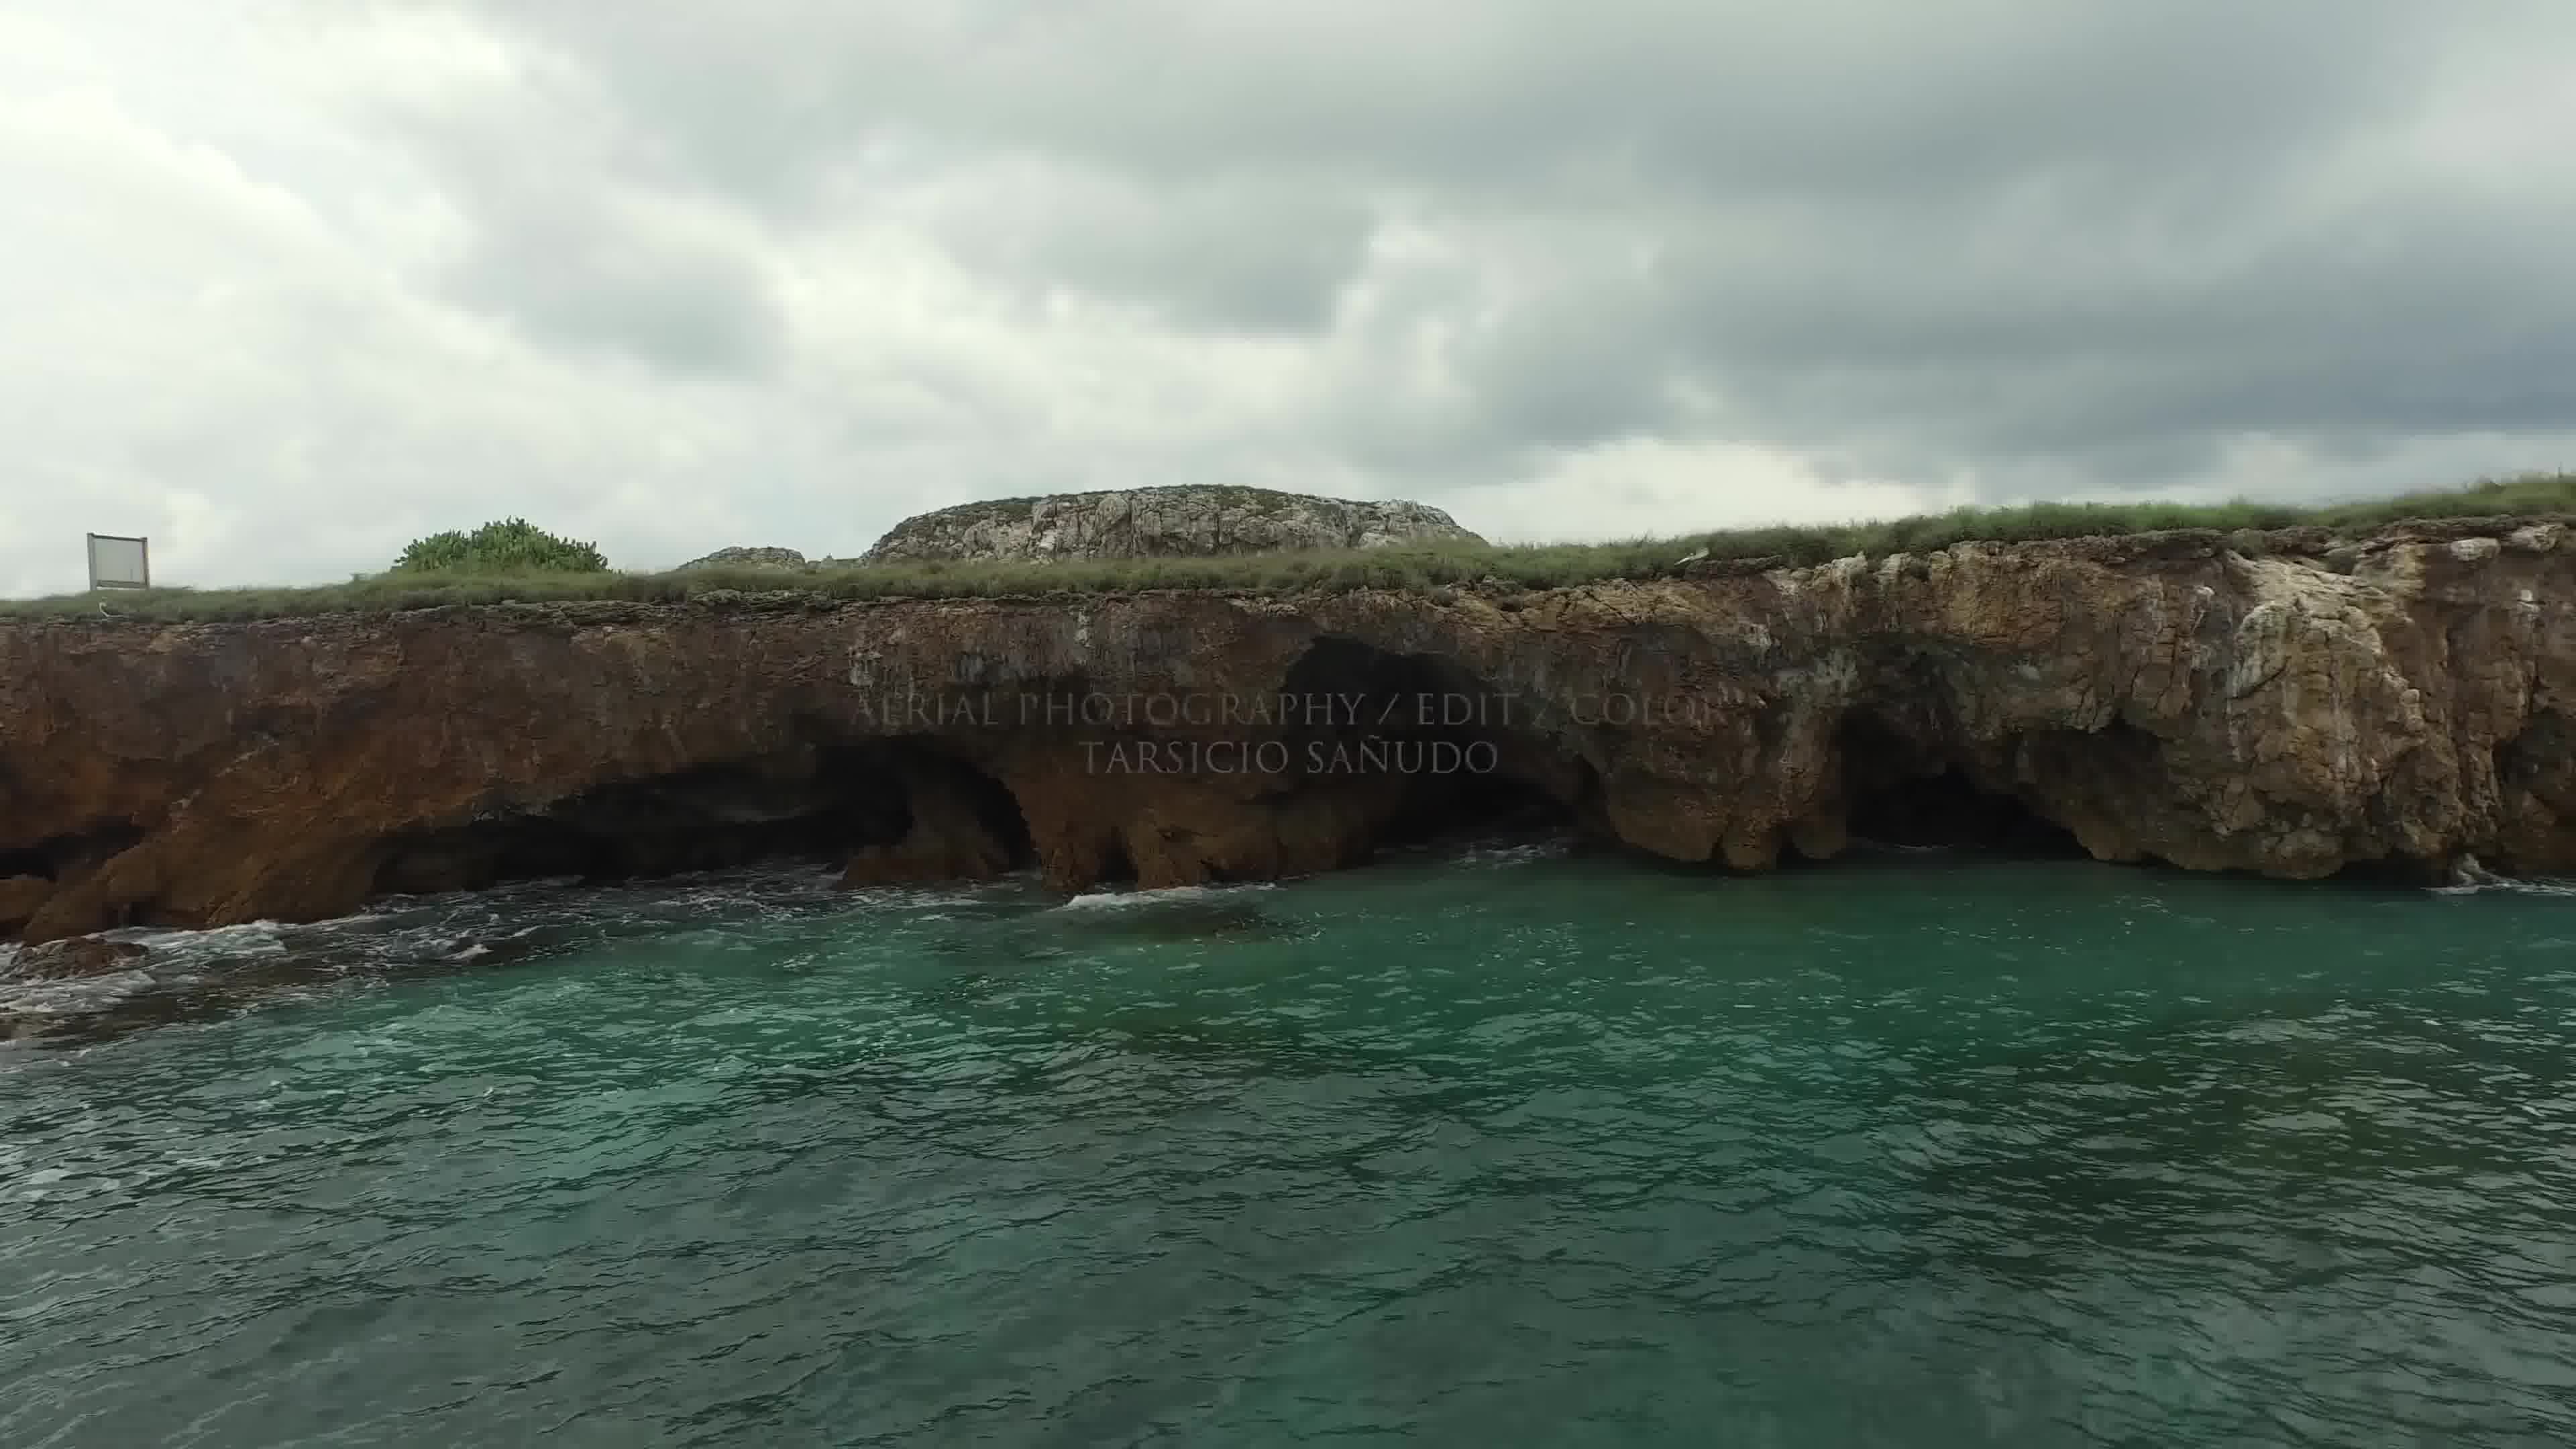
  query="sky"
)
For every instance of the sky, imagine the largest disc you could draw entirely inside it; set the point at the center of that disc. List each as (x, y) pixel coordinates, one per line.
(287, 283)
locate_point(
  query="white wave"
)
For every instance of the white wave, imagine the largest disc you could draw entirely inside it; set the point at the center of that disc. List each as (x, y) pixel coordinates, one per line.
(362, 918)
(2468, 877)
(251, 938)
(2509, 886)
(1554, 848)
(918, 897)
(1124, 900)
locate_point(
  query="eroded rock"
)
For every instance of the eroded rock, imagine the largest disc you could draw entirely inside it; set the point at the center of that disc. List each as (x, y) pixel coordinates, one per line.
(2164, 697)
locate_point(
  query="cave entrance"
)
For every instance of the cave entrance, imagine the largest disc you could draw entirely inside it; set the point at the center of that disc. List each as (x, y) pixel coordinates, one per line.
(62, 856)
(1441, 807)
(1897, 793)
(1117, 865)
(817, 804)
(1446, 744)
(942, 820)
(985, 804)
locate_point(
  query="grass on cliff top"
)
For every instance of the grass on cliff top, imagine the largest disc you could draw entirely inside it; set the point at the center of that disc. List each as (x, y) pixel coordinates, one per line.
(1413, 567)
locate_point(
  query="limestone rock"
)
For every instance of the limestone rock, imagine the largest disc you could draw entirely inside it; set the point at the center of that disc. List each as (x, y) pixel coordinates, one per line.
(1182, 521)
(769, 558)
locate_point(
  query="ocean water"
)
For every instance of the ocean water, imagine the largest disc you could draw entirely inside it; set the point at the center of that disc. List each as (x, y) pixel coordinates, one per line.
(1488, 1145)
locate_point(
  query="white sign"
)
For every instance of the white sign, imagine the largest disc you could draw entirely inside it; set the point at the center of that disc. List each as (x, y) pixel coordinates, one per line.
(119, 563)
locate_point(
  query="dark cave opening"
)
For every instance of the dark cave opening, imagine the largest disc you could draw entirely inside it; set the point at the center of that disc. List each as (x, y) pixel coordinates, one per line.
(1117, 866)
(1897, 793)
(1452, 742)
(1439, 807)
(61, 856)
(816, 805)
(1946, 810)
(987, 801)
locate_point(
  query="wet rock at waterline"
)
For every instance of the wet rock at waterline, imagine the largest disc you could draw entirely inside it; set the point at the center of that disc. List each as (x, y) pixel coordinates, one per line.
(72, 959)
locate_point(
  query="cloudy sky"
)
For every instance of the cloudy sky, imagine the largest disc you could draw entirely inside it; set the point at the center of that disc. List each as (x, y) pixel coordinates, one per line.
(290, 282)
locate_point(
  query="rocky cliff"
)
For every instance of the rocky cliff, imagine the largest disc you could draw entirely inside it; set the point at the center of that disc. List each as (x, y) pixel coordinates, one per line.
(1159, 523)
(2289, 705)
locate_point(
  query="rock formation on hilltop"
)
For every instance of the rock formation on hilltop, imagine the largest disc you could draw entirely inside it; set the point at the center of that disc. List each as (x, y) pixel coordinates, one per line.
(2291, 704)
(767, 558)
(1181, 521)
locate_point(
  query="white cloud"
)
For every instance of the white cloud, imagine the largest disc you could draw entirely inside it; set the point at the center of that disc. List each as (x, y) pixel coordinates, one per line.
(1650, 488)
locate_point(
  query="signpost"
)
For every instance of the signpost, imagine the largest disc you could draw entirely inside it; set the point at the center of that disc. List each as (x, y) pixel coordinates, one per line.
(117, 562)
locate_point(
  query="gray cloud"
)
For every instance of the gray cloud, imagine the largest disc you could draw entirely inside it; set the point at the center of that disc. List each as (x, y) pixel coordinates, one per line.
(784, 271)
(1257, 256)
(2107, 236)
(581, 278)
(1818, 98)
(560, 242)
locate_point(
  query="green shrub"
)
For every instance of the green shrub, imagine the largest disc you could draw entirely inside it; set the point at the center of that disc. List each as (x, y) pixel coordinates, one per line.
(511, 546)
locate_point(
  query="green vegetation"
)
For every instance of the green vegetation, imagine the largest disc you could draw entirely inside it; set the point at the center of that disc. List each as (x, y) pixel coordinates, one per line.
(982, 510)
(1418, 567)
(510, 547)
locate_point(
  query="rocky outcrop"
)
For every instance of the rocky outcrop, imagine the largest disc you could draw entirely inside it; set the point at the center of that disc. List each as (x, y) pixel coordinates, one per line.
(73, 959)
(766, 558)
(20, 896)
(1181, 521)
(2290, 704)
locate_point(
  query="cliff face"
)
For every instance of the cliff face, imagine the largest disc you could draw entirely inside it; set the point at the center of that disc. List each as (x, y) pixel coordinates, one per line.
(2290, 710)
(1184, 521)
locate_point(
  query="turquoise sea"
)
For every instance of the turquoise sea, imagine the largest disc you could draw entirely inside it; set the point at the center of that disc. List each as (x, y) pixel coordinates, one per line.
(1490, 1144)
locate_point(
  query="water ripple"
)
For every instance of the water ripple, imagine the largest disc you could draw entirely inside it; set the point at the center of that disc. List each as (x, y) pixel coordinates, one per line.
(1508, 1146)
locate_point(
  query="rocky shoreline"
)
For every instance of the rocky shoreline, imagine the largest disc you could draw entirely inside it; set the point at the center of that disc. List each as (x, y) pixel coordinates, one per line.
(2290, 704)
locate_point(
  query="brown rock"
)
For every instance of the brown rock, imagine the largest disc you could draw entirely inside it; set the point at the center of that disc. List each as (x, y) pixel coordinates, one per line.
(78, 956)
(20, 896)
(2161, 697)
(950, 837)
